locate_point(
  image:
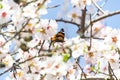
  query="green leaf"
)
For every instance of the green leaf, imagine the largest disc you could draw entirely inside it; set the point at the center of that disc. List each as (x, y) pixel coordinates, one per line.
(93, 68)
(66, 57)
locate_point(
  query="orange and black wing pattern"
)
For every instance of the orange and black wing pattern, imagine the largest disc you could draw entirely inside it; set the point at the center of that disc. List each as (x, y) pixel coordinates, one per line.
(59, 37)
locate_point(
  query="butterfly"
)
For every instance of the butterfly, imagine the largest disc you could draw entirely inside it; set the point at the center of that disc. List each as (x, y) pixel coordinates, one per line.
(59, 37)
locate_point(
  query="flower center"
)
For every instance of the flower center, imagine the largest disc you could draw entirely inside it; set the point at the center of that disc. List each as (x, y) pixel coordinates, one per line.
(42, 30)
(114, 39)
(74, 15)
(90, 54)
(4, 14)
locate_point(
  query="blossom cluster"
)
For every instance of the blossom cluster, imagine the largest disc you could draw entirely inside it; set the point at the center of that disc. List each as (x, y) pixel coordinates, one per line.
(61, 61)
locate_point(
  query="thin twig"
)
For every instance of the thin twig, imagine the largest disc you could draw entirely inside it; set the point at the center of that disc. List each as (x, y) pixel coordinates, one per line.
(50, 7)
(104, 73)
(77, 62)
(5, 71)
(24, 62)
(17, 33)
(106, 16)
(90, 33)
(111, 72)
(97, 6)
(93, 38)
(34, 58)
(41, 47)
(66, 21)
(94, 79)
(13, 32)
(100, 7)
(5, 24)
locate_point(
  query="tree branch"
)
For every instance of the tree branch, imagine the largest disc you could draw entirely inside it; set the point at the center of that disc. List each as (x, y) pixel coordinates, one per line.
(93, 21)
(81, 29)
(5, 71)
(106, 16)
(22, 62)
(103, 17)
(66, 21)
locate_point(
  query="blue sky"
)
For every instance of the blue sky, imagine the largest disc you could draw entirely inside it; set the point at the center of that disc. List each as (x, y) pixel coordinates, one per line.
(113, 5)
